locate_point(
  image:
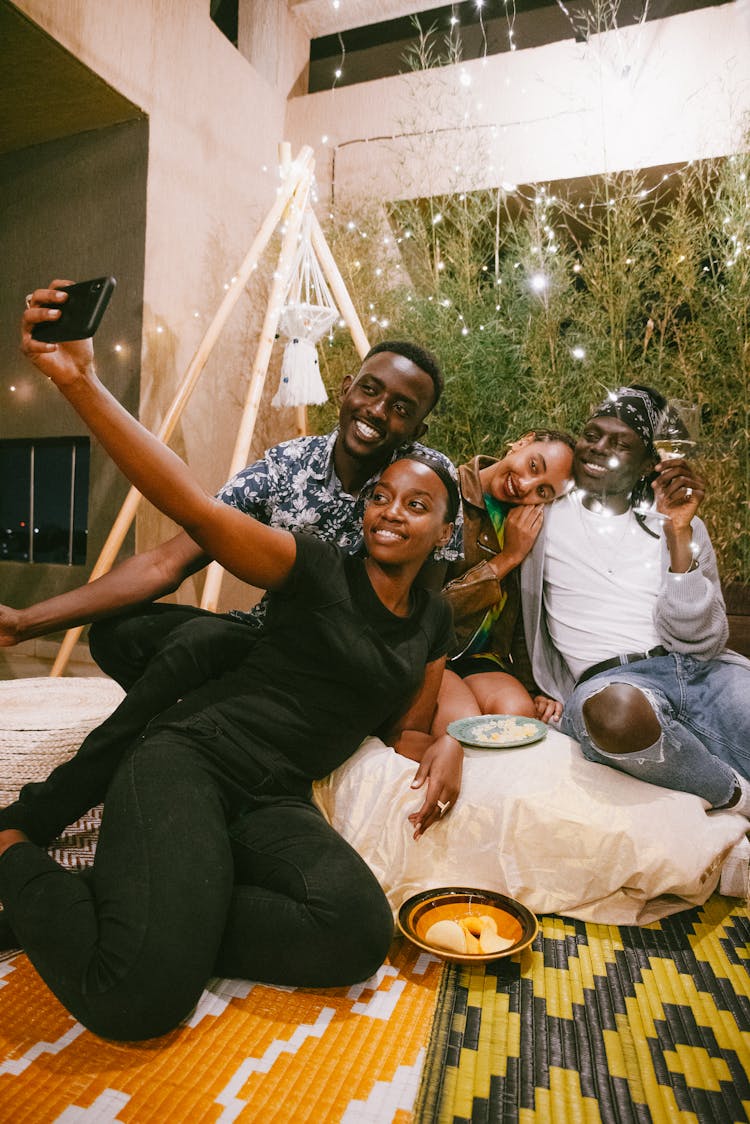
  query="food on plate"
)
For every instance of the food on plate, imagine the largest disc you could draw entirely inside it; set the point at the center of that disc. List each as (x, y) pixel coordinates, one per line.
(499, 730)
(475, 934)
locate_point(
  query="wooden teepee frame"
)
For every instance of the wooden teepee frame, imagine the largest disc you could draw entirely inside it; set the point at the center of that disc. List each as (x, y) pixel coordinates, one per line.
(292, 202)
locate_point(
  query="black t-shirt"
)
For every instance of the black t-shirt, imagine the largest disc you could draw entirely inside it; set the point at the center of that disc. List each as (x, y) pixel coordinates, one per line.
(330, 667)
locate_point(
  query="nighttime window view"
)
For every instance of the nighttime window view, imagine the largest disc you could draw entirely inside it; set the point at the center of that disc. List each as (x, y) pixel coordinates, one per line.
(44, 500)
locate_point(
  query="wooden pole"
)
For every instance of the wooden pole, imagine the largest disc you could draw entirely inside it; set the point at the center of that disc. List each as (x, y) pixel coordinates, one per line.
(113, 542)
(339, 290)
(215, 573)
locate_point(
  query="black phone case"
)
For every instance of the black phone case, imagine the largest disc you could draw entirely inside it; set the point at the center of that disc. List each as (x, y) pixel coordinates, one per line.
(81, 313)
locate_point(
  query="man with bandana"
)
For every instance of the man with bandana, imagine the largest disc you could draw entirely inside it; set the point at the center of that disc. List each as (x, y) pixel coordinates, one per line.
(624, 617)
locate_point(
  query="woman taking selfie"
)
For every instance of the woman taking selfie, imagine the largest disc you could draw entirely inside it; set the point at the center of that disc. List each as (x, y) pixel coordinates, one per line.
(211, 857)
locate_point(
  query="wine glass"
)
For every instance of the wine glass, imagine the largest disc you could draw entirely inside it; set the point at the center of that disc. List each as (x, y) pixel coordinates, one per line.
(678, 429)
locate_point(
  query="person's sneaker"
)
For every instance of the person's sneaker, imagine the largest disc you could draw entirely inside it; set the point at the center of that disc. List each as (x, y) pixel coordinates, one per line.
(735, 872)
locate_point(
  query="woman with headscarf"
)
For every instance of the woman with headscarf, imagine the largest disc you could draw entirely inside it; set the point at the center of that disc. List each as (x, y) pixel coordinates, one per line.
(212, 858)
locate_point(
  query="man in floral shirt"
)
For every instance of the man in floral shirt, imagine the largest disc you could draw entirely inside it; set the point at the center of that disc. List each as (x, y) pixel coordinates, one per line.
(309, 483)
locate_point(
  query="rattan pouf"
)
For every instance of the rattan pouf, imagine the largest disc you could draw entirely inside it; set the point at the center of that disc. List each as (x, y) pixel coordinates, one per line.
(43, 722)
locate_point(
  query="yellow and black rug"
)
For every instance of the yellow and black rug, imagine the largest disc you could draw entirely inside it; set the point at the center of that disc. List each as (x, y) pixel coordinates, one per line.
(599, 1025)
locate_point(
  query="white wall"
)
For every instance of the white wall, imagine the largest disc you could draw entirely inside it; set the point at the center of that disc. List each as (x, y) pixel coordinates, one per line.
(669, 91)
(215, 123)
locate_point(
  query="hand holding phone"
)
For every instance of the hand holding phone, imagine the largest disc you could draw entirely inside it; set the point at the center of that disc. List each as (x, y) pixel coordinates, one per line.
(65, 361)
(80, 314)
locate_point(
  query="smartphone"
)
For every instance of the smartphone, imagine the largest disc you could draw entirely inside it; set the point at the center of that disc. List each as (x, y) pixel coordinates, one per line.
(80, 314)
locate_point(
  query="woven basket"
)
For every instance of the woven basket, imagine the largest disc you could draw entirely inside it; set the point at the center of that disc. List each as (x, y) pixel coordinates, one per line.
(43, 722)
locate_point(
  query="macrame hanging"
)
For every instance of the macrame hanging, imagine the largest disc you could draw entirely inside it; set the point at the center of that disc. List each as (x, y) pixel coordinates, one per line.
(309, 312)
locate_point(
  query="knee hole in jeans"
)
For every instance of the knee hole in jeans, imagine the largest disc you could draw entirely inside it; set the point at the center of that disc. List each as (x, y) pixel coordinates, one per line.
(620, 719)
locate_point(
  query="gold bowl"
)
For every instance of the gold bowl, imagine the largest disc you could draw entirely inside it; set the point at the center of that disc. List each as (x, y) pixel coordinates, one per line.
(453, 903)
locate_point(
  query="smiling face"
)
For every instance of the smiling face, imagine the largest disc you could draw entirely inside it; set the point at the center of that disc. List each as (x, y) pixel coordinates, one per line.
(406, 514)
(531, 472)
(383, 407)
(609, 458)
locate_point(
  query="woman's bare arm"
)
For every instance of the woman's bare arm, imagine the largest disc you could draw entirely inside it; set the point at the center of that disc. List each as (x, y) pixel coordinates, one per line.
(261, 555)
(409, 733)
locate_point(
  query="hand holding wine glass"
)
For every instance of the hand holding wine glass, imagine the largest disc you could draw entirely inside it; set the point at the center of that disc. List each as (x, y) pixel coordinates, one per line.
(678, 488)
(678, 429)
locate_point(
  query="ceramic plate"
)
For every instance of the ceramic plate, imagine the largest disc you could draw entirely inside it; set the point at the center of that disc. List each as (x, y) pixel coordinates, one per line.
(497, 731)
(454, 903)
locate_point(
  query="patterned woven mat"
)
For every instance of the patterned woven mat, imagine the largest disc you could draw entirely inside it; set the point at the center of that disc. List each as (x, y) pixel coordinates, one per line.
(595, 1025)
(248, 1053)
(600, 1024)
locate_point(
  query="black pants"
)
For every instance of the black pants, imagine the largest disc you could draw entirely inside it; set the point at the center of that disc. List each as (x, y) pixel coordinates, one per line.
(124, 646)
(187, 884)
(186, 650)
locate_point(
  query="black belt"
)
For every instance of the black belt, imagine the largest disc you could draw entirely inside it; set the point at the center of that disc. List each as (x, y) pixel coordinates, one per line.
(618, 661)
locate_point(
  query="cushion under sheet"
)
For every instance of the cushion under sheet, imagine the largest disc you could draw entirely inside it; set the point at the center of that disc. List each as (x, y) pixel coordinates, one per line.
(540, 823)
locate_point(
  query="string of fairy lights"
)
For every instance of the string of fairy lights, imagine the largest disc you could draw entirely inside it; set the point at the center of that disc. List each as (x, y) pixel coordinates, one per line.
(602, 18)
(540, 199)
(543, 202)
(537, 197)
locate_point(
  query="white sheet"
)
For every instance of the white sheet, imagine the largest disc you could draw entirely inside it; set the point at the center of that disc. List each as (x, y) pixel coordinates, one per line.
(540, 823)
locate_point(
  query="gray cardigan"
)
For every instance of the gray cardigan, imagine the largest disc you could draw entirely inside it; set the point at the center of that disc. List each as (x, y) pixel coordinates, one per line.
(690, 616)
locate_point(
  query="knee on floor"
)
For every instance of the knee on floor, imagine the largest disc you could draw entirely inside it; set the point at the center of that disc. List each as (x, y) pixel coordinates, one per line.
(126, 1019)
(356, 940)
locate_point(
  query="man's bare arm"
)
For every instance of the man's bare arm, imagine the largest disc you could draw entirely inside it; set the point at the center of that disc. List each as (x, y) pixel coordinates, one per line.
(144, 577)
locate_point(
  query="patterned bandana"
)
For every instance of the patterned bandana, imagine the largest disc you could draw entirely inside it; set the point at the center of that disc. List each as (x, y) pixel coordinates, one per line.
(636, 409)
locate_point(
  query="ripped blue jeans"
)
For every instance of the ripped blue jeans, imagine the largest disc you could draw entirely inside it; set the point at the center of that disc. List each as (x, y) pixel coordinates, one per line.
(703, 708)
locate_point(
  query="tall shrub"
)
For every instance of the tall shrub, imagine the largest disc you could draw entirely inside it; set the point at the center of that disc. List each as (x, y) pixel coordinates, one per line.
(536, 304)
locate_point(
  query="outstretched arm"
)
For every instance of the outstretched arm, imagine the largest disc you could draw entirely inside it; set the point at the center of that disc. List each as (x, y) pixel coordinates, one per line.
(261, 555)
(142, 578)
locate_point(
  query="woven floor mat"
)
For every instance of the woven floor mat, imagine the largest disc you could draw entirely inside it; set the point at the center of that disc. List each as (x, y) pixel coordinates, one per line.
(600, 1024)
(249, 1052)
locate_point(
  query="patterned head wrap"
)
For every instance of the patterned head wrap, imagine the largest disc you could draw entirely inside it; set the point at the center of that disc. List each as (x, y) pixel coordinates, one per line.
(423, 456)
(636, 408)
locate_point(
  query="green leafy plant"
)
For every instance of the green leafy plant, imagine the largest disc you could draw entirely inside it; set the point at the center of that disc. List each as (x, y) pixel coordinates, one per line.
(537, 302)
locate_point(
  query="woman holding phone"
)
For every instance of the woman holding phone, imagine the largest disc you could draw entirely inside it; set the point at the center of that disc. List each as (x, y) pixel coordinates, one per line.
(212, 858)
